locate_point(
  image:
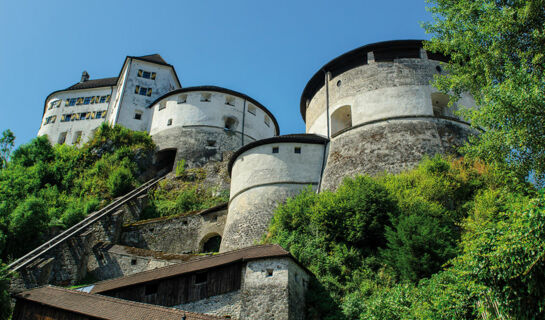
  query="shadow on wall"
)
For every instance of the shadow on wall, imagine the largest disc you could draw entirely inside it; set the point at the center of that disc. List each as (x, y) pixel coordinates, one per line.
(341, 119)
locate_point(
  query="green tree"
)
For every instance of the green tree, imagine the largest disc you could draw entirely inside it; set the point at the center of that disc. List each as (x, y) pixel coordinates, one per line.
(5, 299)
(497, 53)
(6, 145)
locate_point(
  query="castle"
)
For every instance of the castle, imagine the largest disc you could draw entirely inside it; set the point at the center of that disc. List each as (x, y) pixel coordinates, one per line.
(367, 111)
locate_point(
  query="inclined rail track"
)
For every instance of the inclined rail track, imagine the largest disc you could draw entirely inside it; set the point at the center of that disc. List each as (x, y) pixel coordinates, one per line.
(82, 225)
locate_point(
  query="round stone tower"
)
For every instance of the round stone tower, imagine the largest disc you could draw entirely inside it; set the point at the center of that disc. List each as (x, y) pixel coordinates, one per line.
(380, 111)
(264, 173)
(198, 124)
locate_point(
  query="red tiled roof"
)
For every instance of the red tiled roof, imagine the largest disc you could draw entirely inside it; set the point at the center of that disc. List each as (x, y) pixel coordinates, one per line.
(104, 307)
(246, 254)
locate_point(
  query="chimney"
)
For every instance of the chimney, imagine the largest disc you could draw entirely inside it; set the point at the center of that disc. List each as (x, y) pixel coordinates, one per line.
(84, 76)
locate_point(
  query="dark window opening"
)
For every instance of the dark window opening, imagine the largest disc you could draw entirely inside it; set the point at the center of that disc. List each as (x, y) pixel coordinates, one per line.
(133, 262)
(438, 68)
(274, 149)
(201, 278)
(211, 143)
(138, 116)
(339, 83)
(230, 124)
(151, 288)
(164, 159)
(212, 244)
(297, 150)
(151, 229)
(184, 222)
(270, 272)
(169, 122)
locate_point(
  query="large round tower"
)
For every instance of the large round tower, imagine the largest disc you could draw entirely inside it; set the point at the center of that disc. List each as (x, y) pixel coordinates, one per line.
(263, 174)
(199, 123)
(377, 105)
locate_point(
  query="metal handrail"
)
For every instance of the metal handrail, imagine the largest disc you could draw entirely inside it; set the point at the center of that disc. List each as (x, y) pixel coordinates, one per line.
(78, 227)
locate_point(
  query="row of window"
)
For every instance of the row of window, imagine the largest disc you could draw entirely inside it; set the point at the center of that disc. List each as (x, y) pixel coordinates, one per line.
(295, 150)
(83, 116)
(80, 101)
(146, 74)
(205, 97)
(143, 91)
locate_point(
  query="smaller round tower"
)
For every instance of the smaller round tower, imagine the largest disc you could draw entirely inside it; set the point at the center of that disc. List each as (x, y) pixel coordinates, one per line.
(377, 105)
(263, 174)
(199, 123)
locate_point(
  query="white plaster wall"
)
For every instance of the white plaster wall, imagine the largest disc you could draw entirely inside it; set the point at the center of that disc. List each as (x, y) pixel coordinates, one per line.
(259, 165)
(377, 91)
(195, 112)
(53, 130)
(130, 102)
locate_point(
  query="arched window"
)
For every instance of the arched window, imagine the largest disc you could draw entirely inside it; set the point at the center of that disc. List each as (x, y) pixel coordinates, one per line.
(341, 119)
(439, 101)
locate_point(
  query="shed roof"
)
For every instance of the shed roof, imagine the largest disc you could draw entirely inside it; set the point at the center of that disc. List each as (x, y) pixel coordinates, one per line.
(104, 307)
(299, 137)
(241, 255)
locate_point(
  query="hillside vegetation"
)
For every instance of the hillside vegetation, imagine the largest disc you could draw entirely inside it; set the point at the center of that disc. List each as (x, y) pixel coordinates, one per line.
(451, 239)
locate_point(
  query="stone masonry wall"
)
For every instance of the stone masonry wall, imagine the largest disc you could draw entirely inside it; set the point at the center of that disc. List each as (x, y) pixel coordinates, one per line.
(393, 146)
(222, 305)
(183, 234)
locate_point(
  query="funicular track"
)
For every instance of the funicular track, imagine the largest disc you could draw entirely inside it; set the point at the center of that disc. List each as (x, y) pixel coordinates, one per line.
(82, 225)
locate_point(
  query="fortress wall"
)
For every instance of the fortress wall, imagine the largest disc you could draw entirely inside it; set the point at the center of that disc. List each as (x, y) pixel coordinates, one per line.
(260, 179)
(393, 145)
(198, 145)
(178, 235)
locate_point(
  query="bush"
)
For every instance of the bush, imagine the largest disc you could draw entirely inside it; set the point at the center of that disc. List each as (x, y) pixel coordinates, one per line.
(120, 181)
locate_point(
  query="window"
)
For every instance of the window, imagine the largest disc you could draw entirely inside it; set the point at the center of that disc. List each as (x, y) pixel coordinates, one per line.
(297, 150)
(87, 100)
(143, 91)
(251, 109)
(72, 102)
(54, 103)
(83, 116)
(103, 114)
(138, 115)
(205, 97)
(230, 101)
(77, 137)
(169, 122)
(103, 99)
(275, 149)
(267, 121)
(230, 124)
(133, 262)
(269, 272)
(151, 289)
(62, 138)
(53, 118)
(162, 105)
(439, 102)
(339, 83)
(211, 143)
(201, 278)
(182, 98)
(79, 101)
(146, 74)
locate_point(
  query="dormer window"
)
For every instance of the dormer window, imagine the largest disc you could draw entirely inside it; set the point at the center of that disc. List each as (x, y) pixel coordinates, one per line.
(182, 98)
(230, 101)
(205, 97)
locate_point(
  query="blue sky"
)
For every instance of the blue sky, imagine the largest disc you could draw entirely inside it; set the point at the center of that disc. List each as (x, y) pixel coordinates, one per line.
(265, 49)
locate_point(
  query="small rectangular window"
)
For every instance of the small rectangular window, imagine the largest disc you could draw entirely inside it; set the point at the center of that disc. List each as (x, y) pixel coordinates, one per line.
(83, 115)
(162, 105)
(275, 149)
(153, 75)
(201, 278)
(143, 91)
(62, 138)
(269, 272)
(251, 109)
(72, 102)
(133, 262)
(182, 98)
(169, 122)
(138, 115)
(103, 114)
(137, 89)
(205, 97)
(146, 75)
(66, 102)
(149, 92)
(79, 101)
(267, 121)
(297, 150)
(108, 97)
(102, 99)
(230, 101)
(77, 137)
(87, 100)
(53, 118)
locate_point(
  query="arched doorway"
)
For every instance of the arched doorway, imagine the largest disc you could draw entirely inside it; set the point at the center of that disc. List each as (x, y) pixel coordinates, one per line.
(164, 159)
(341, 119)
(439, 101)
(211, 243)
